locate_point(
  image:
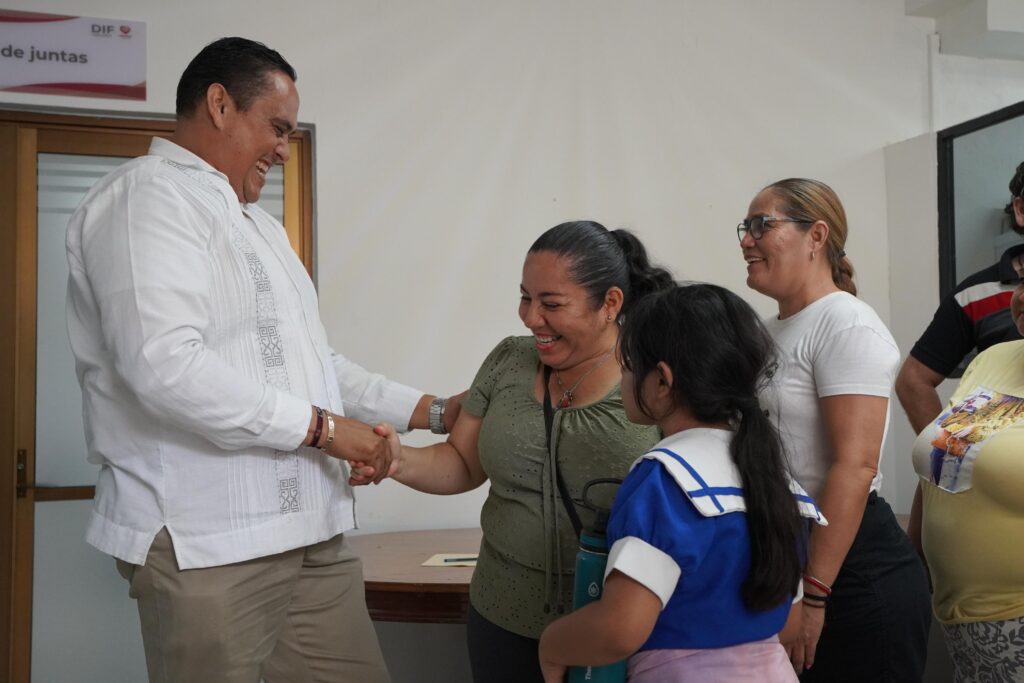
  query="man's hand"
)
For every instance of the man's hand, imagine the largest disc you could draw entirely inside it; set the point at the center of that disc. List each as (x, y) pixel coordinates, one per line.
(363, 473)
(358, 444)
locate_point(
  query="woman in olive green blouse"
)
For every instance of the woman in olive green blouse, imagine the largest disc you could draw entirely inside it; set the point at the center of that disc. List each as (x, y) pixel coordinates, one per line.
(578, 280)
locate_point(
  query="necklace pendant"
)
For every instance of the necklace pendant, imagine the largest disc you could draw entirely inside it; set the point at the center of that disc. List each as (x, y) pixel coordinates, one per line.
(566, 400)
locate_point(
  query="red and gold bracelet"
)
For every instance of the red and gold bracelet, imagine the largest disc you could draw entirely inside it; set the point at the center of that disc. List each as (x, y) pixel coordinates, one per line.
(819, 584)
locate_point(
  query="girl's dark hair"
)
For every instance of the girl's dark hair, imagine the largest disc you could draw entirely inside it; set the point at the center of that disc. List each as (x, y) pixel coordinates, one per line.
(239, 64)
(602, 259)
(719, 354)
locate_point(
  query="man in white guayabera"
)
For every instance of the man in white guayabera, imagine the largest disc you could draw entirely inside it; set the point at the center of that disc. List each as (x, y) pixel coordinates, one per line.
(215, 407)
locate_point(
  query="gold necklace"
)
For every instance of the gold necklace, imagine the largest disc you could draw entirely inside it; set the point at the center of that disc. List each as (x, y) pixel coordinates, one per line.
(567, 394)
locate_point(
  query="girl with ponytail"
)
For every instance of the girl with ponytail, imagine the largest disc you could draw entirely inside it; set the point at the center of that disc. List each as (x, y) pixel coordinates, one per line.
(706, 531)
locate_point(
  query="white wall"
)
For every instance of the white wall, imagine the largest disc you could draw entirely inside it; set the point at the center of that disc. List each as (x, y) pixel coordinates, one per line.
(965, 87)
(451, 133)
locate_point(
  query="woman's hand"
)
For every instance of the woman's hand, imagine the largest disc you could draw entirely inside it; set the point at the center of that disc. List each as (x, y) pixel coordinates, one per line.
(802, 651)
(791, 636)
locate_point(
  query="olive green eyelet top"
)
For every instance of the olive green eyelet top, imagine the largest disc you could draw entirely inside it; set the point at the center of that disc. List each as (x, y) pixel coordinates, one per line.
(524, 576)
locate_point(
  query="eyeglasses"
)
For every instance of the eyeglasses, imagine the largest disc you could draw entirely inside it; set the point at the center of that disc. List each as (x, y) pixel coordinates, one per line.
(757, 225)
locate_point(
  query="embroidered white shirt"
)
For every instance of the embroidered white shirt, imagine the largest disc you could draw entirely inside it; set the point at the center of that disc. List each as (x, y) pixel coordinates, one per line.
(199, 349)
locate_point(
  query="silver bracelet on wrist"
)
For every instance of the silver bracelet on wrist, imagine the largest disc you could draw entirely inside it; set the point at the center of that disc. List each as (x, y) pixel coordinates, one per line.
(435, 415)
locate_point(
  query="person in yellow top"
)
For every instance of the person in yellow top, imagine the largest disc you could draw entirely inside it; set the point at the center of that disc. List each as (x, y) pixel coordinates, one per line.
(971, 463)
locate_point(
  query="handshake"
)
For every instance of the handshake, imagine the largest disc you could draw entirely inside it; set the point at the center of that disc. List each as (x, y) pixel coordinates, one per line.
(373, 453)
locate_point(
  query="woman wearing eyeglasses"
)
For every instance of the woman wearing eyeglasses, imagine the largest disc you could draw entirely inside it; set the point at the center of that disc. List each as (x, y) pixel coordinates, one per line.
(865, 614)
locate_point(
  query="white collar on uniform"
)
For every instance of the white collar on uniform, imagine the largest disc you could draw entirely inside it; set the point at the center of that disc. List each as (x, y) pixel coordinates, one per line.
(700, 463)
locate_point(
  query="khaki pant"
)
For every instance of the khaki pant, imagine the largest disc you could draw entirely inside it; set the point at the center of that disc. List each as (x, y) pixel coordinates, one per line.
(296, 617)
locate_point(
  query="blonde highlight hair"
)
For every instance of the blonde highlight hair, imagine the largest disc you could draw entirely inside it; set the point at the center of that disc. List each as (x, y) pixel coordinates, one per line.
(809, 200)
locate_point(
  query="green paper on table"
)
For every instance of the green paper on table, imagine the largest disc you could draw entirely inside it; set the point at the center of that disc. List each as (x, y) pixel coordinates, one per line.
(451, 560)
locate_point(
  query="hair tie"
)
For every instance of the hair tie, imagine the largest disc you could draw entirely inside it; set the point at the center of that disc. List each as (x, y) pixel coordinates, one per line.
(748, 405)
(842, 253)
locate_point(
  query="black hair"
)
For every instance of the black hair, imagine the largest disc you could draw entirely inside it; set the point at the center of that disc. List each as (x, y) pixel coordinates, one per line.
(1016, 190)
(720, 354)
(602, 259)
(239, 64)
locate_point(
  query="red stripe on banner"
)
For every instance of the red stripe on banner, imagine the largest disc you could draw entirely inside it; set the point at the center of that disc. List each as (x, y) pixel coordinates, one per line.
(108, 90)
(13, 16)
(976, 310)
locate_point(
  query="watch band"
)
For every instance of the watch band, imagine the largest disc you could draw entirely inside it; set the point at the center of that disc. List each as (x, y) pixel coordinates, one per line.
(435, 415)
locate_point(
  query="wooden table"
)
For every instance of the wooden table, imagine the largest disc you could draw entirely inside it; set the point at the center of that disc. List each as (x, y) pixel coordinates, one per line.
(398, 588)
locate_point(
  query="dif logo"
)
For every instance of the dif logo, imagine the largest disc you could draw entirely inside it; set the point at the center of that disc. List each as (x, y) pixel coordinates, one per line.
(107, 30)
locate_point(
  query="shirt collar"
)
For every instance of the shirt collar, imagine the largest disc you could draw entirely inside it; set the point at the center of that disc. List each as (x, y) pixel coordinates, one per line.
(171, 151)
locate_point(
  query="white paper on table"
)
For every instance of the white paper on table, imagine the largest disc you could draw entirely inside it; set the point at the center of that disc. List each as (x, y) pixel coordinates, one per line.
(438, 560)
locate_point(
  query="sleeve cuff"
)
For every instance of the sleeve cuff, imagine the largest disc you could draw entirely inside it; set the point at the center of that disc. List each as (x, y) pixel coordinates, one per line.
(290, 424)
(883, 390)
(398, 405)
(645, 564)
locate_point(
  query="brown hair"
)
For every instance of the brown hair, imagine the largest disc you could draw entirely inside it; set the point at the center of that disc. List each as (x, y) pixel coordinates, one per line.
(811, 200)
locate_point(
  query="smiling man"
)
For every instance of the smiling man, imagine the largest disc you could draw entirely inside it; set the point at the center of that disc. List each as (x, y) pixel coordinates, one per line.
(213, 403)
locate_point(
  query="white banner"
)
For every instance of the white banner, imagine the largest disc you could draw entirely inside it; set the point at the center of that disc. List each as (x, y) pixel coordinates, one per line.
(64, 55)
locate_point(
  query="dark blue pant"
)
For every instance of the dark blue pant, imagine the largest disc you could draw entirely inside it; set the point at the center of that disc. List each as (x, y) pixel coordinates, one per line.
(876, 624)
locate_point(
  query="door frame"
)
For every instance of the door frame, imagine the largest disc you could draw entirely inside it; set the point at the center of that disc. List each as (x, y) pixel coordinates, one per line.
(23, 135)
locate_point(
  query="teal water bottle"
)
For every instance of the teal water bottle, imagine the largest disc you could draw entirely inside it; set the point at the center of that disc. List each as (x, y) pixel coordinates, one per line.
(591, 561)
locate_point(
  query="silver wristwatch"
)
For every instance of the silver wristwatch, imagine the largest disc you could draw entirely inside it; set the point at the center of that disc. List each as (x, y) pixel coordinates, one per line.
(435, 416)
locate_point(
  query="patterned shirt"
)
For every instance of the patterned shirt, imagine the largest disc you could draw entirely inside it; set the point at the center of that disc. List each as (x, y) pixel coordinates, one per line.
(970, 461)
(199, 349)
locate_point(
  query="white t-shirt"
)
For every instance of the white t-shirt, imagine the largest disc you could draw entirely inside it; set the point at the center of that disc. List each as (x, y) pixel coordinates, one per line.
(837, 345)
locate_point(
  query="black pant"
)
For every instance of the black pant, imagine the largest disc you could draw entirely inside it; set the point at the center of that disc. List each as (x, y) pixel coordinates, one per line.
(877, 621)
(500, 656)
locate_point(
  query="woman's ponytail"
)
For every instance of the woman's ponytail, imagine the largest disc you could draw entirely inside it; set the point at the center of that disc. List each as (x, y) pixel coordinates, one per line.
(644, 277)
